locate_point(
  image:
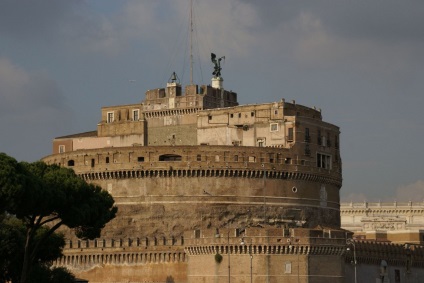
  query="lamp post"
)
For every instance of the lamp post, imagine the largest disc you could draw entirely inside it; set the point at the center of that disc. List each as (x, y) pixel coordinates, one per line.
(229, 267)
(251, 257)
(352, 242)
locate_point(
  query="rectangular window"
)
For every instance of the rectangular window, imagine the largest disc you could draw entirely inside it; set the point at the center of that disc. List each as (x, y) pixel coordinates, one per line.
(307, 136)
(109, 117)
(287, 268)
(135, 115)
(260, 142)
(307, 150)
(61, 148)
(273, 127)
(319, 138)
(290, 134)
(236, 143)
(140, 158)
(328, 140)
(324, 161)
(397, 276)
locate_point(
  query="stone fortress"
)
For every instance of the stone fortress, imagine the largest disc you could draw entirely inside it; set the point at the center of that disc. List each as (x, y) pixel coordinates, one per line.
(209, 190)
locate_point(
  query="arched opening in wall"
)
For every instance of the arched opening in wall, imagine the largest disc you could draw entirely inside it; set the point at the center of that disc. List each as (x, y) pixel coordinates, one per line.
(170, 157)
(71, 162)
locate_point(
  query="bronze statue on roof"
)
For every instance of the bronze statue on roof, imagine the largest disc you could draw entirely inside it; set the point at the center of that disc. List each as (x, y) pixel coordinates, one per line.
(217, 63)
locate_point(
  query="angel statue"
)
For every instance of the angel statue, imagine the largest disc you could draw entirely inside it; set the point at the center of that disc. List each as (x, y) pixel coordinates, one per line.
(217, 63)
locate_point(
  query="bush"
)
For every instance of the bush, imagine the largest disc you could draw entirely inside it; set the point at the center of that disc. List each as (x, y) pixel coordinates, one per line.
(218, 258)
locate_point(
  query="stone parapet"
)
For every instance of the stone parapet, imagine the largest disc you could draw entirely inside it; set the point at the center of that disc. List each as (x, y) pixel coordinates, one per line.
(371, 252)
(185, 161)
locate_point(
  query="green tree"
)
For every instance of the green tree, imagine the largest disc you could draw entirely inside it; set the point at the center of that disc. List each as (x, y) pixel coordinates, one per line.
(12, 240)
(42, 195)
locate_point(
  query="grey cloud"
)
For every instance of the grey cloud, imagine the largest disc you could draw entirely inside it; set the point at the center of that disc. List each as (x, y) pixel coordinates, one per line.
(34, 19)
(32, 106)
(388, 20)
(27, 91)
(50, 23)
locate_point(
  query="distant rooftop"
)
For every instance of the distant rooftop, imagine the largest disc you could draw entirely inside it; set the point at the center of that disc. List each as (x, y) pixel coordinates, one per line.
(80, 135)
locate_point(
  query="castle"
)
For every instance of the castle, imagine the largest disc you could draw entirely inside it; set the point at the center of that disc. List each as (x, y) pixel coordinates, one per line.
(210, 191)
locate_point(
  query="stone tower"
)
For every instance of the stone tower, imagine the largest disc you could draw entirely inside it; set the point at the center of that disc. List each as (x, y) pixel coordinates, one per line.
(203, 183)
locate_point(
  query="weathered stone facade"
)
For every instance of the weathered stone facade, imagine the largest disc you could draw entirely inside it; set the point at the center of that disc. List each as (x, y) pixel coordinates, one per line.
(183, 167)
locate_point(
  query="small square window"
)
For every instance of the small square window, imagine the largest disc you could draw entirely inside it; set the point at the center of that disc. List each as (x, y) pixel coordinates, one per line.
(61, 148)
(273, 127)
(260, 142)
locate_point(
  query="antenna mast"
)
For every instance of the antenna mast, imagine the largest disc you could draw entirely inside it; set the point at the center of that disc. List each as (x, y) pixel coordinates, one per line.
(191, 41)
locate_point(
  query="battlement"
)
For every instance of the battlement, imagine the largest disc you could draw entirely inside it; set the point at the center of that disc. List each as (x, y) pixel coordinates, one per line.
(87, 254)
(386, 206)
(124, 243)
(371, 252)
(259, 241)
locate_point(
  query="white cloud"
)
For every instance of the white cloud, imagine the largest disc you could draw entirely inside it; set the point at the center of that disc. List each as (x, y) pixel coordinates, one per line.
(411, 192)
(354, 197)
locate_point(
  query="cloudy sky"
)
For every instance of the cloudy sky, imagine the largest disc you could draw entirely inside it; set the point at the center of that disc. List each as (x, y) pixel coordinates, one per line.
(361, 62)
